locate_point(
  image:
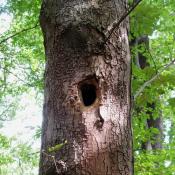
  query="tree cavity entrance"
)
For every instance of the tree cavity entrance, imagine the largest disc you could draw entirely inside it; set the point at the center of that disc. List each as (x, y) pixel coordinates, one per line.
(88, 93)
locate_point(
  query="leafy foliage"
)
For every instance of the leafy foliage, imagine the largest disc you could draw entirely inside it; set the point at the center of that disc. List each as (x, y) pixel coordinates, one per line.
(21, 71)
(154, 19)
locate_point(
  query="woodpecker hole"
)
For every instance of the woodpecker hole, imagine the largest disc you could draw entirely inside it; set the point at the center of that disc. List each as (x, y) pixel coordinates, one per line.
(88, 93)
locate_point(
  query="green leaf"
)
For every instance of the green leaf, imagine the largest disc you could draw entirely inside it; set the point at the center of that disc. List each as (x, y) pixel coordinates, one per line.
(56, 147)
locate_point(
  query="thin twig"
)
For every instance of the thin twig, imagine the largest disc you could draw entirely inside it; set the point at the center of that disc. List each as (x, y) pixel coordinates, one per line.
(147, 83)
(57, 170)
(17, 33)
(155, 67)
(37, 152)
(20, 79)
(115, 25)
(3, 113)
(53, 158)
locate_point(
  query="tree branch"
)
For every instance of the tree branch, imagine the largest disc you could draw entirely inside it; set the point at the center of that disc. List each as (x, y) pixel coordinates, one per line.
(115, 25)
(147, 83)
(155, 67)
(17, 33)
(3, 113)
(20, 79)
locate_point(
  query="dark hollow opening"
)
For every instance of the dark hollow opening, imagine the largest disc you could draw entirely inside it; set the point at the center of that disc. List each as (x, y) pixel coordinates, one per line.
(88, 92)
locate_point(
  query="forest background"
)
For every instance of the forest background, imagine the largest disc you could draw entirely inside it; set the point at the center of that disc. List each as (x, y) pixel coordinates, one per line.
(22, 60)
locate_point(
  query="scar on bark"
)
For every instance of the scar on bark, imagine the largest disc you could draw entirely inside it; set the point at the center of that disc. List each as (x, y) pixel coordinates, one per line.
(90, 96)
(100, 121)
(83, 38)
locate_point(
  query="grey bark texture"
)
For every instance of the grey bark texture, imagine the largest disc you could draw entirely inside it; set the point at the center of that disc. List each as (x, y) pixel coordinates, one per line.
(87, 89)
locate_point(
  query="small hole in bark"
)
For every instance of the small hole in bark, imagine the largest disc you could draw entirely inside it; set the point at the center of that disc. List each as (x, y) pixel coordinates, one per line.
(88, 92)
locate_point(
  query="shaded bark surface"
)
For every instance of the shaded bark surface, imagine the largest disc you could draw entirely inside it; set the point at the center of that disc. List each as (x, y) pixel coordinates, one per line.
(87, 89)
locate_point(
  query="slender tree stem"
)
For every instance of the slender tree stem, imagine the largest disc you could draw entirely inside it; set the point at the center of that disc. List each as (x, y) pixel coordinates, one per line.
(115, 25)
(17, 33)
(147, 83)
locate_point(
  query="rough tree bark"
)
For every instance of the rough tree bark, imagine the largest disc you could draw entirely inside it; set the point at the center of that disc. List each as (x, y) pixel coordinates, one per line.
(87, 89)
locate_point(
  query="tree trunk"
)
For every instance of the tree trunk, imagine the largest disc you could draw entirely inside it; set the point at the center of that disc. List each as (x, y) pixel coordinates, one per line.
(142, 63)
(87, 89)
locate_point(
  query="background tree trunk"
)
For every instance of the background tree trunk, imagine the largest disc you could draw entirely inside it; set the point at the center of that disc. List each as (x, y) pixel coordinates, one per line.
(87, 89)
(142, 62)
